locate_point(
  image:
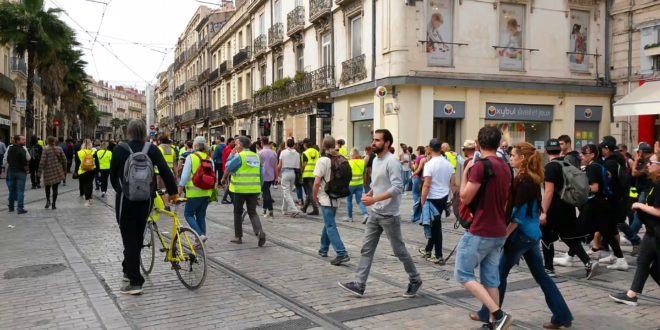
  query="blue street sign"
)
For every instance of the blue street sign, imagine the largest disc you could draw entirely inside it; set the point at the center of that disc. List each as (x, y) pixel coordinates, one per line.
(77, 129)
(152, 133)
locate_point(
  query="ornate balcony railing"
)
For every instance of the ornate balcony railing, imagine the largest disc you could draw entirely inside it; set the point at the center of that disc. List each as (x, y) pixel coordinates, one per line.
(225, 68)
(295, 20)
(104, 128)
(240, 58)
(164, 121)
(275, 35)
(214, 115)
(353, 70)
(317, 81)
(191, 83)
(132, 108)
(18, 64)
(121, 109)
(204, 75)
(105, 113)
(189, 115)
(259, 47)
(7, 85)
(204, 112)
(202, 41)
(213, 76)
(319, 9)
(226, 112)
(241, 107)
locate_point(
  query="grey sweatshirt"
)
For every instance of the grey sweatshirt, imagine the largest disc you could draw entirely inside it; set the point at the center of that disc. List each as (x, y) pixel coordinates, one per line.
(386, 176)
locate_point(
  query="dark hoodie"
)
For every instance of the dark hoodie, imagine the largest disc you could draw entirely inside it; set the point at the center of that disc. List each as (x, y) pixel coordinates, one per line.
(610, 163)
(573, 158)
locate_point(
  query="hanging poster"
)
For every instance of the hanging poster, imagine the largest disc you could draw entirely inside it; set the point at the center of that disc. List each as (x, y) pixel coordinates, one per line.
(439, 22)
(579, 38)
(512, 21)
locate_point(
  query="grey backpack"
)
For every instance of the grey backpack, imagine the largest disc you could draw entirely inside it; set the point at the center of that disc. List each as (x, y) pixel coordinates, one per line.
(138, 183)
(576, 185)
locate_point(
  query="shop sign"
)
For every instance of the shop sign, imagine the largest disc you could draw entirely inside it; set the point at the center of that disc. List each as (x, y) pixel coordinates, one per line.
(381, 92)
(530, 112)
(183, 126)
(14, 117)
(304, 111)
(56, 122)
(323, 110)
(212, 130)
(4, 121)
(362, 112)
(20, 103)
(246, 125)
(448, 109)
(588, 113)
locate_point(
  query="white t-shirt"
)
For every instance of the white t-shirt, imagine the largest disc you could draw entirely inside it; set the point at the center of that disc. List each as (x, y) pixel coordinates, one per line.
(290, 158)
(440, 170)
(323, 170)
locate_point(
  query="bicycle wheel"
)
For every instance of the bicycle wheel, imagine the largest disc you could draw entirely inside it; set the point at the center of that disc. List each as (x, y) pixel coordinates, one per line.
(148, 248)
(191, 272)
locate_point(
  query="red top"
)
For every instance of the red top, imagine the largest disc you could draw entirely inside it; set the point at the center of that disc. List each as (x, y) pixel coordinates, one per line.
(490, 220)
(225, 154)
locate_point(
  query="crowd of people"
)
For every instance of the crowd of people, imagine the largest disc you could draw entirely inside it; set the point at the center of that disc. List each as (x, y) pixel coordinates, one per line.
(514, 201)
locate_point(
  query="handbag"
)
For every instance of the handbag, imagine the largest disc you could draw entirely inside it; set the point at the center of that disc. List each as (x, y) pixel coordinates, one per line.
(298, 175)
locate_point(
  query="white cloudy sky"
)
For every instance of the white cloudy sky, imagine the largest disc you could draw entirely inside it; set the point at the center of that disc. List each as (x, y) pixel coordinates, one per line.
(156, 24)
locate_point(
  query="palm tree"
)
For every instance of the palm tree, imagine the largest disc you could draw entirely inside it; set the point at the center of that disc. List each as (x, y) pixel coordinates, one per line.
(75, 82)
(30, 28)
(89, 115)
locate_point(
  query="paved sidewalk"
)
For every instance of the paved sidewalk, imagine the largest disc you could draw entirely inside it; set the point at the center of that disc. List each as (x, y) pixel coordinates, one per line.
(76, 255)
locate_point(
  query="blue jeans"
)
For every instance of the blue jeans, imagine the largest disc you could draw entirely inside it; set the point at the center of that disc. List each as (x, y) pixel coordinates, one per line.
(524, 246)
(195, 214)
(417, 194)
(475, 251)
(299, 191)
(7, 178)
(265, 191)
(330, 234)
(406, 177)
(16, 188)
(357, 191)
(630, 231)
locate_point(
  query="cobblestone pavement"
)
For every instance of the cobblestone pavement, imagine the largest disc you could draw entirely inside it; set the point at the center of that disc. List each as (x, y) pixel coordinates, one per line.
(62, 270)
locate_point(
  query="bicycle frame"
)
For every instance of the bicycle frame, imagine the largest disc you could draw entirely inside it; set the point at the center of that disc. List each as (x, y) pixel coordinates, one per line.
(175, 229)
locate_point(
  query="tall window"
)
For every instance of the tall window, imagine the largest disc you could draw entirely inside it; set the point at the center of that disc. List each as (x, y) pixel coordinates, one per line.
(280, 67)
(228, 93)
(262, 24)
(300, 50)
(6, 66)
(263, 76)
(228, 51)
(278, 11)
(240, 40)
(325, 49)
(239, 89)
(356, 36)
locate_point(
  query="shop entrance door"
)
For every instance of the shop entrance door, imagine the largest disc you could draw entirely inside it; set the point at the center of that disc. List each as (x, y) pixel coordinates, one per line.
(312, 128)
(445, 130)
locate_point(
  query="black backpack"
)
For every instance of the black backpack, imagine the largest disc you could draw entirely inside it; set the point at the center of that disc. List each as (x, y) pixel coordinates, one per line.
(35, 153)
(340, 177)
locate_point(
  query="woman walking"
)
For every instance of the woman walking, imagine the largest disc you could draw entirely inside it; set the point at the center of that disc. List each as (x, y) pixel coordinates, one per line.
(524, 234)
(52, 169)
(104, 155)
(357, 185)
(87, 164)
(198, 199)
(417, 176)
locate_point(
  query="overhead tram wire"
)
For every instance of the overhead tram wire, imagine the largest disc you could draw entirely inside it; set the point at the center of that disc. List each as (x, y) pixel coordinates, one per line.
(105, 7)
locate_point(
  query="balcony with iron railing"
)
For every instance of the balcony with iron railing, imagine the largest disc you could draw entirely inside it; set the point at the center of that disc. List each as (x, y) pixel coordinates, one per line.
(203, 41)
(132, 108)
(122, 110)
(295, 21)
(18, 64)
(276, 35)
(190, 115)
(225, 68)
(213, 76)
(204, 75)
(214, 115)
(319, 9)
(240, 59)
(307, 85)
(106, 113)
(191, 83)
(353, 70)
(226, 112)
(7, 86)
(259, 47)
(204, 112)
(242, 107)
(104, 128)
(164, 121)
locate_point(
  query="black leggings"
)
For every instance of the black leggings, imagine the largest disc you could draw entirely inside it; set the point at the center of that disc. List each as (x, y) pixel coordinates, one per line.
(86, 182)
(104, 180)
(647, 264)
(575, 248)
(55, 187)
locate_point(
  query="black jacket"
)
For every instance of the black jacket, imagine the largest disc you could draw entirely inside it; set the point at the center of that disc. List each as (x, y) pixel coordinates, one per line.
(573, 158)
(120, 155)
(16, 158)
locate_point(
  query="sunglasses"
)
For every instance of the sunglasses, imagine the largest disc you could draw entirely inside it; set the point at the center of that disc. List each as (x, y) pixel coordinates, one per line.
(586, 153)
(654, 162)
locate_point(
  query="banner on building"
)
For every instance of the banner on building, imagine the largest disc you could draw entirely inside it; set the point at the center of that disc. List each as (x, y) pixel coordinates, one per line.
(512, 22)
(579, 39)
(438, 23)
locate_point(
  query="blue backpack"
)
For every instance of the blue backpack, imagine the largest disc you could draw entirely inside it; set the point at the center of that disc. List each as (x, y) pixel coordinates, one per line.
(607, 181)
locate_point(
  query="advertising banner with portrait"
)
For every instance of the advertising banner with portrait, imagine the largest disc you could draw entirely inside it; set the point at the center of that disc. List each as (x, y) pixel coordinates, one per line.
(579, 38)
(438, 25)
(512, 22)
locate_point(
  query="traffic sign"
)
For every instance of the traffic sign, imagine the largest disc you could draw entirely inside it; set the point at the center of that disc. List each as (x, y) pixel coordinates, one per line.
(183, 126)
(56, 122)
(152, 127)
(152, 133)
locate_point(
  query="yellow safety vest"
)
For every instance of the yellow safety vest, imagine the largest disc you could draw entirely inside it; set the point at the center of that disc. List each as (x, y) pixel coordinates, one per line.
(213, 147)
(169, 159)
(191, 190)
(357, 167)
(312, 158)
(247, 179)
(104, 159)
(81, 155)
(41, 143)
(343, 152)
(633, 192)
(452, 159)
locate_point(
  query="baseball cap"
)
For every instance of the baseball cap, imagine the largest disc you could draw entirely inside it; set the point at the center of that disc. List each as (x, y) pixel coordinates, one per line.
(435, 144)
(552, 145)
(469, 144)
(608, 144)
(644, 147)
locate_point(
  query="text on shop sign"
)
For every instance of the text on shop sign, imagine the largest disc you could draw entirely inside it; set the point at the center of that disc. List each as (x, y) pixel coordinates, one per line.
(519, 111)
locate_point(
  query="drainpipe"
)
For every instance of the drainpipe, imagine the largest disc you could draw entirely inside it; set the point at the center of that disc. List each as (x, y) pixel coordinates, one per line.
(607, 42)
(373, 41)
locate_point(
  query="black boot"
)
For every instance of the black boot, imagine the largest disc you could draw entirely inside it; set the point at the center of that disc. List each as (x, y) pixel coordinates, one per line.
(47, 203)
(54, 208)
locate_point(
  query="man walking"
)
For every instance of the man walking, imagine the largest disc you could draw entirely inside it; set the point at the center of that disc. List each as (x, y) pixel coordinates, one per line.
(643, 184)
(225, 155)
(17, 169)
(132, 215)
(217, 157)
(309, 158)
(288, 165)
(269, 163)
(385, 196)
(330, 234)
(35, 151)
(570, 155)
(245, 182)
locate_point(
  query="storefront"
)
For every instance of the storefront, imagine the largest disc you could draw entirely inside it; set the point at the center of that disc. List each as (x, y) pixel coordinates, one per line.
(5, 124)
(362, 120)
(446, 117)
(521, 122)
(587, 121)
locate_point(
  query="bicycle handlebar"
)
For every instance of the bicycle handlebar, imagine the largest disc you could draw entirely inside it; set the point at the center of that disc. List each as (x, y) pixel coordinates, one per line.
(179, 200)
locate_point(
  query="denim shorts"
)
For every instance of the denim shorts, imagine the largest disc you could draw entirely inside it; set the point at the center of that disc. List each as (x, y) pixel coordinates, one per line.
(479, 251)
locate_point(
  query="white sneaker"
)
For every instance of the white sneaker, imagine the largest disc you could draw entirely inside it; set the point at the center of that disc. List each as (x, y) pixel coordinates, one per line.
(625, 241)
(607, 260)
(405, 193)
(619, 264)
(565, 260)
(274, 187)
(102, 194)
(87, 203)
(593, 255)
(348, 219)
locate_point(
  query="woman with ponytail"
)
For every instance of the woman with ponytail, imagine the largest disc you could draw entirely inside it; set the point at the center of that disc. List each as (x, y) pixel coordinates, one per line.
(524, 233)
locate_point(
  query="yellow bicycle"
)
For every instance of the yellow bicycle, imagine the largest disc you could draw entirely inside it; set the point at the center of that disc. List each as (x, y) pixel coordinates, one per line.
(186, 251)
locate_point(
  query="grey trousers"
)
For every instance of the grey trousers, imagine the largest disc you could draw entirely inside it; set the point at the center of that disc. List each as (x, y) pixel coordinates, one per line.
(250, 201)
(376, 224)
(288, 181)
